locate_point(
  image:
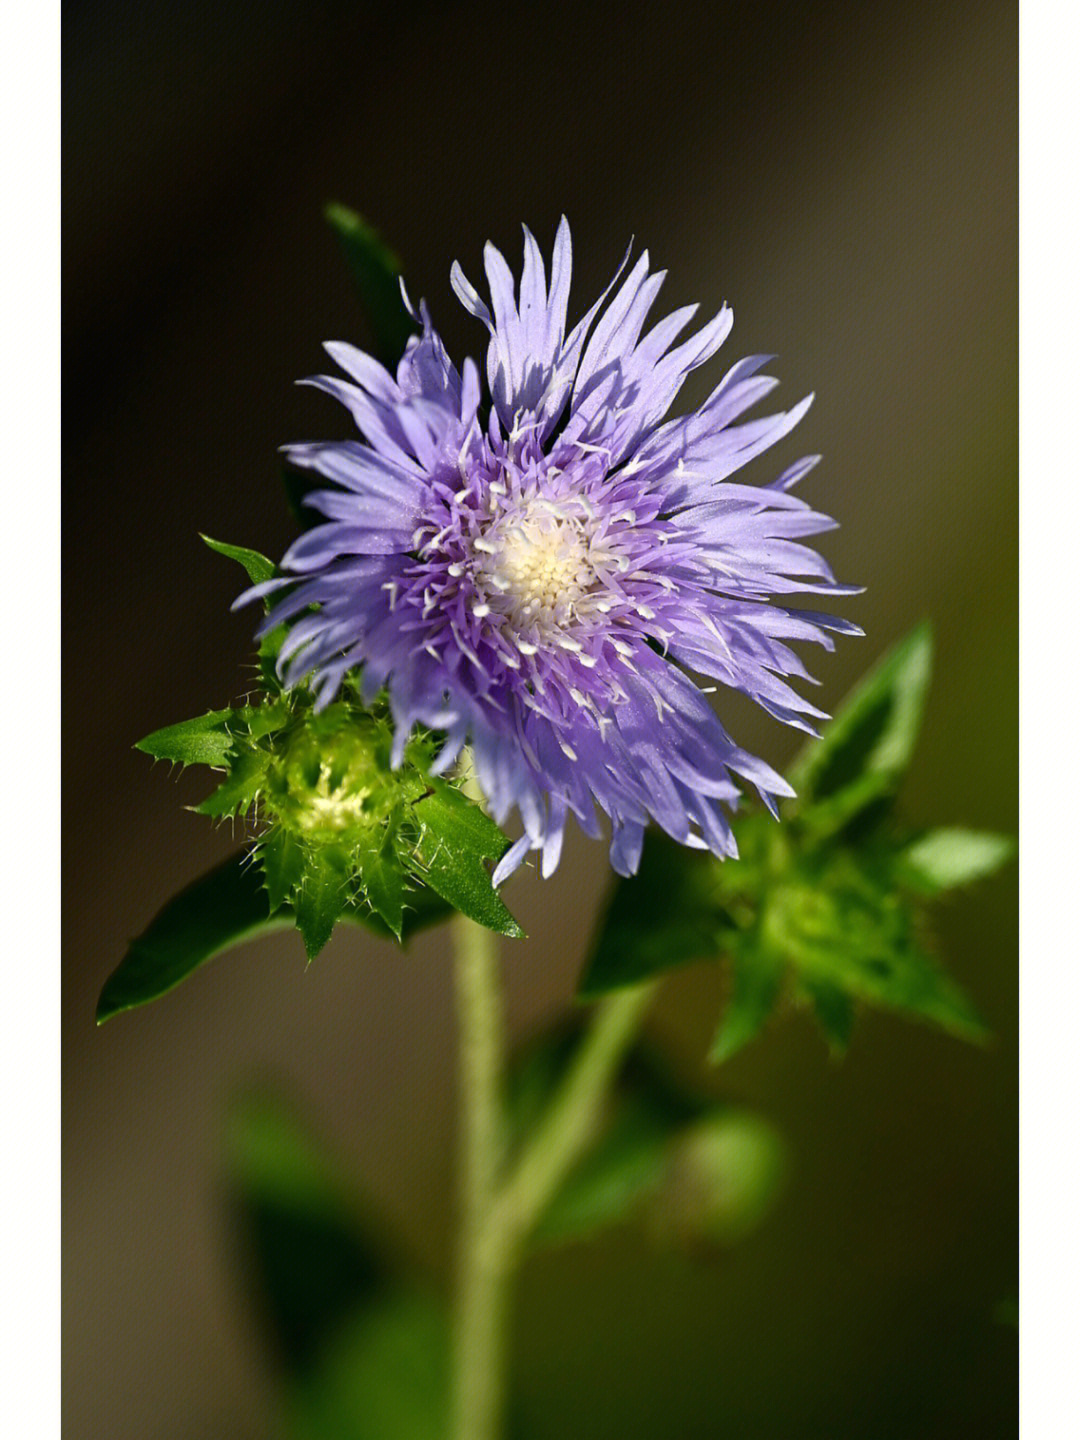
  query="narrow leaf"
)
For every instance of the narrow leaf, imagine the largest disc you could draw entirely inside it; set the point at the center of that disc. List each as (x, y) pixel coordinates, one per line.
(225, 907)
(258, 567)
(756, 981)
(206, 740)
(904, 979)
(456, 845)
(281, 855)
(305, 1255)
(217, 911)
(834, 1011)
(238, 791)
(383, 879)
(376, 271)
(944, 859)
(323, 895)
(866, 748)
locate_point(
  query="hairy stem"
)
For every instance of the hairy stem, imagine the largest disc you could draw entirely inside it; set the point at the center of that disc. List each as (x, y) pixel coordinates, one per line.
(574, 1114)
(482, 1278)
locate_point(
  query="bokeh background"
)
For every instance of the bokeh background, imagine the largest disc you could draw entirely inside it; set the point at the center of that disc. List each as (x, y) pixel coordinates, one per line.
(842, 174)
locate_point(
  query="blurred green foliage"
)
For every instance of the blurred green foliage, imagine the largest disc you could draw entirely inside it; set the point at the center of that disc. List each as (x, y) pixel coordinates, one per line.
(829, 905)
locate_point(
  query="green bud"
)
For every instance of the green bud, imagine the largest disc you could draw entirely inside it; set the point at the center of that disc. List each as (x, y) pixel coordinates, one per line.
(724, 1175)
(330, 779)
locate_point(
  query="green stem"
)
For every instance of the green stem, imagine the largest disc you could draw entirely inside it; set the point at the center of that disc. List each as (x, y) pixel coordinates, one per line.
(494, 1222)
(483, 1260)
(574, 1114)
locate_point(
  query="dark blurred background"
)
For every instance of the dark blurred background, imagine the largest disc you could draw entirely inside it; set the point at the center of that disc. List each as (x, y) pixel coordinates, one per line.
(845, 176)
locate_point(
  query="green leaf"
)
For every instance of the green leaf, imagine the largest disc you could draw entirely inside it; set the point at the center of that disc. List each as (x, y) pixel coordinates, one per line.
(834, 1011)
(456, 844)
(303, 1246)
(238, 791)
(943, 859)
(911, 981)
(376, 271)
(206, 740)
(866, 748)
(756, 980)
(282, 857)
(383, 879)
(258, 567)
(362, 1345)
(217, 911)
(323, 895)
(228, 906)
(841, 925)
(385, 1376)
(265, 718)
(667, 915)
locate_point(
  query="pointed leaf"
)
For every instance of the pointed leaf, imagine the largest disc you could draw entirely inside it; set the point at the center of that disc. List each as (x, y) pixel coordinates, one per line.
(302, 1239)
(361, 1341)
(899, 977)
(666, 915)
(913, 982)
(457, 843)
(383, 879)
(866, 748)
(944, 859)
(323, 895)
(385, 1376)
(238, 791)
(281, 855)
(258, 567)
(225, 907)
(757, 977)
(834, 1011)
(376, 271)
(206, 740)
(217, 911)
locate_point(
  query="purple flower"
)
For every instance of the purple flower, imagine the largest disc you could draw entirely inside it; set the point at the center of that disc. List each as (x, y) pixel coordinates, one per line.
(540, 581)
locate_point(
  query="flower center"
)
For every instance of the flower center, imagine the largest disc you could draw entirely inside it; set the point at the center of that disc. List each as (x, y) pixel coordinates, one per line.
(535, 565)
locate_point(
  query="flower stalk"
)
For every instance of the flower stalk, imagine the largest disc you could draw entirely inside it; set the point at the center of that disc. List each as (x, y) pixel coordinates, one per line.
(482, 1264)
(497, 1213)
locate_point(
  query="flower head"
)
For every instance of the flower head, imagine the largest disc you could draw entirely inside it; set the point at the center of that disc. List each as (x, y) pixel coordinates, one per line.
(540, 579)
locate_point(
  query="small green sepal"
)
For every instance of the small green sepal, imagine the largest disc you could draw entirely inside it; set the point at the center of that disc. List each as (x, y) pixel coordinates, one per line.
(457, 847)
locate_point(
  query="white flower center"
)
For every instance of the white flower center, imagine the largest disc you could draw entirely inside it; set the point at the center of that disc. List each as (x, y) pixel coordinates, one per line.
(535, 566)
